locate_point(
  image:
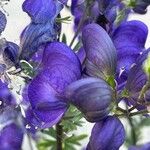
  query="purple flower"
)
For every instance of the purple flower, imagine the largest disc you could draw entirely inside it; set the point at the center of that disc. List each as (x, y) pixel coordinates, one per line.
(3, 22)
(11, 132)
(108, 134)
(108, 9)
(103, 12)
(42, 11)
(137, 77)
(136, 80)
(129, 45)
(34, 36)
(92, 97)
(100, 52)
(42, 28)
(60, 67)
(9, 52)
(11, 137)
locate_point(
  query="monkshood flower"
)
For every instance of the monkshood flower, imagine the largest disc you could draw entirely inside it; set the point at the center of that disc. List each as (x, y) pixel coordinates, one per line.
(100, 52)
(8, 59)
(11, 130)
(137, 81)
(8, 50)
(103, 12)
(108, 134)
(11, 126)
(42, 28)
(60, 67)
(10, 53)
(107, 10)
(41, 11)
(92, 97)
(129, 45)
(140, 147)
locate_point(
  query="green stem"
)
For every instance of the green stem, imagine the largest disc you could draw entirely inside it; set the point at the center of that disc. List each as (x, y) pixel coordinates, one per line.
(141, 96)
(144, 90)
(142, 112)
(133, 132)
(59, 134)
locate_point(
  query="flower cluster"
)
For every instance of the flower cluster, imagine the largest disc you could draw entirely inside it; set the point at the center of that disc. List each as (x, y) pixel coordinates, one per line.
(110, 67)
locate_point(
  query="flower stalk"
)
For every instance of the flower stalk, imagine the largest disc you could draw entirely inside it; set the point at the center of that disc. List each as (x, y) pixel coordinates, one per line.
(59, 134)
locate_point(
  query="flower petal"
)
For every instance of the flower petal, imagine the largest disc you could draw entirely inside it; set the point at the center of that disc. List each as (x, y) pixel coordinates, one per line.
(137, 78)
(42, 11)
(3, 22)
(11, 131)
(60, 67)
(108, 134)
(11, 137)
(100, 51)
(10, 53)
(91, 96)
(5, 96)
(81, 55)
(46, 104)
(33, 36)
(128, 43)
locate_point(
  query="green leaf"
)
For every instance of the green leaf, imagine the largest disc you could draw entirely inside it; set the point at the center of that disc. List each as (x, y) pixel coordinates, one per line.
(69, 146)
(45, 144)
(72, 119)
(51, 132)
(27, 68)
(76, 139)
(64, 39)
(63, 20)
(77, 46)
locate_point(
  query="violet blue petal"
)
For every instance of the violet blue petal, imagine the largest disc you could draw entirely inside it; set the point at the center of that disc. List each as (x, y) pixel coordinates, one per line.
(10, 53)
(108, 134)
(61, 65)
(42, 11)
(129, 44)
(6, 97)
(137, 78)
(11, 132)
(3, 21)
(91, 96)
(81, 55)
(77, 10)
(11, 137)
(46, 104)
(33, 36)
(100, 51)
(109, 9)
